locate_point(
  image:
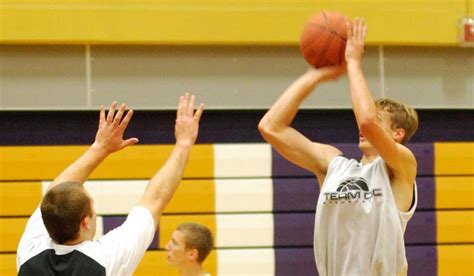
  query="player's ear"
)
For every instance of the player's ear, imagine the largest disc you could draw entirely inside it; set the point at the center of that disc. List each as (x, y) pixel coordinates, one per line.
(399, 134)
(193, 254)
(86, 222)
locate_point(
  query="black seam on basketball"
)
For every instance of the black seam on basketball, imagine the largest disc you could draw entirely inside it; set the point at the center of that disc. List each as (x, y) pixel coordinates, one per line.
(325, 19)
(325, 49)
(338, 35)
(325, 29)
(326, 24)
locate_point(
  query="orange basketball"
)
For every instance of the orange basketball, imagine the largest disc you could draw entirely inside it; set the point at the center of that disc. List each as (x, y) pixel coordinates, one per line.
(323, 40)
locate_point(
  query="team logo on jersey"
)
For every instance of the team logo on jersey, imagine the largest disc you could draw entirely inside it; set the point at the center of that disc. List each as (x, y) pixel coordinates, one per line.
(352, 189)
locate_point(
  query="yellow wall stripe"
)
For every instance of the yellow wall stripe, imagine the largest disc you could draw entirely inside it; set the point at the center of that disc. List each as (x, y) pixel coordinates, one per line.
(140, 161)
(19, 198)
(456, 260)
(422, 22)
(11, 230)
(193, 196)
(455, 226)
(454, 192)
(8, 264)
(452, 158)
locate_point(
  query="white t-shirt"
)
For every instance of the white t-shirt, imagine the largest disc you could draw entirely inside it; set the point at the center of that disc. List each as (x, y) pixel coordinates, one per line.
(116, 253)
(358, 228)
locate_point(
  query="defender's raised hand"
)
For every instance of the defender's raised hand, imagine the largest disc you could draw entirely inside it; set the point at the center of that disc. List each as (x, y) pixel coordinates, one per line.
(109, 139)
(109, 136)
(187, 120)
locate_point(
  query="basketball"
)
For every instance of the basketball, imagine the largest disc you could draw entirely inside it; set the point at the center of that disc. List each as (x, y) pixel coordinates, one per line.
(323, 40)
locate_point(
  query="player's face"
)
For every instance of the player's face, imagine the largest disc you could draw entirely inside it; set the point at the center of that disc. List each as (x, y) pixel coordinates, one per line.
(176, 247)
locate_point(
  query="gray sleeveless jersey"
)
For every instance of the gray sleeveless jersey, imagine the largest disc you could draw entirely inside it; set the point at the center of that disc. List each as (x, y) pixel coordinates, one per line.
(358, 228)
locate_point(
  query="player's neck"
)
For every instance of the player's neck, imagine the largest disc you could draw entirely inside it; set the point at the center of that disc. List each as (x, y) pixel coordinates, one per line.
(366, 159)
(82, 237)
(368, 155)
(193, 269)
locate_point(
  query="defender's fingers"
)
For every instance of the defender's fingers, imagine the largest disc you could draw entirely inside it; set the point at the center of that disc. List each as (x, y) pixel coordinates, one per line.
(110, 114)
(190, 108)
(186, 101)
(119, 115)
(181, 106)
(126, 120)
(130, 142)
(102, 115)
(197, 115)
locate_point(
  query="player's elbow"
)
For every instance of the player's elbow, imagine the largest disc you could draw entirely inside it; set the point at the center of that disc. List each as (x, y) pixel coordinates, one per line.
(263, 126)
(266, 128)
(155, 206)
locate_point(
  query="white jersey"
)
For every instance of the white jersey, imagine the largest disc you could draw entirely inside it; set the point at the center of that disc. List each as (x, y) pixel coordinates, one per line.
(358, 227)
(117, 253)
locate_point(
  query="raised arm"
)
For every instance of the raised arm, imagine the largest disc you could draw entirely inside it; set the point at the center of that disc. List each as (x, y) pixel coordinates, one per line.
(295, 147)
(109, 139)
(386, 140)
(162, 186)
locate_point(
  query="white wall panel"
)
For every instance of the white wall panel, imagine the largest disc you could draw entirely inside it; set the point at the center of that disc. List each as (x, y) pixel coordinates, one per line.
(44, 77)
(246, 262)
(242, 230)
(223, 77)
(244, 195)
(431, 77)
(242, 160)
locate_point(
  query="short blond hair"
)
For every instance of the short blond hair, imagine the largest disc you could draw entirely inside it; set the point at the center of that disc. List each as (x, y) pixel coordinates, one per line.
(199, 237)
(402, 116)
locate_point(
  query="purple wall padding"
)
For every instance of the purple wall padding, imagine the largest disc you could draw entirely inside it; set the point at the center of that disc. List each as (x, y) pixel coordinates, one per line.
(112, 222)
(424, 154)
(283, 168)
(422, 260)
(426, 193)
(295, 194)
(293, 229)
(421, 228)
(350, 150)
(217, 126)
(295, 262)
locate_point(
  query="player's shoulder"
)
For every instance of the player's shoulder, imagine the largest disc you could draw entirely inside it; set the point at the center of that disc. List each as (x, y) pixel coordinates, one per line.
(407, 158)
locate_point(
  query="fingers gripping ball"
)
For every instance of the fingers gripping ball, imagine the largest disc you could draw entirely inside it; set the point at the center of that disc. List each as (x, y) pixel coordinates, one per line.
(323, 40)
